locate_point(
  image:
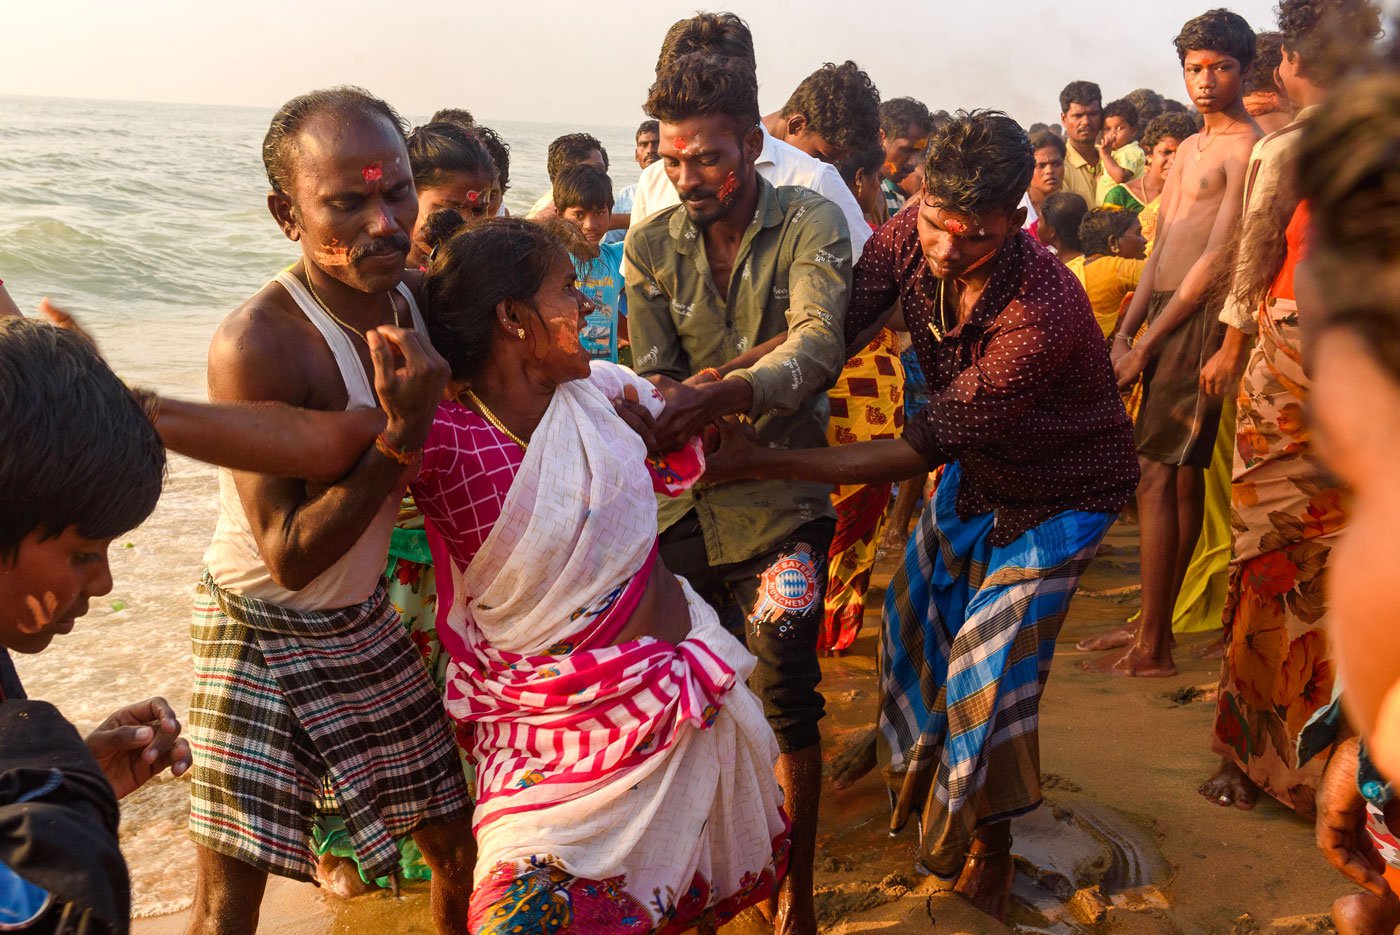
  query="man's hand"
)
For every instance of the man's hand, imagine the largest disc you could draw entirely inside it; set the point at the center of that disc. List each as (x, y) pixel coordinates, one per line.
(409, 377)
(138, 742)
(1221, 374)
(1128, 366)
(631, 411)
(690, 408)
(731, 452)
(1341, 823)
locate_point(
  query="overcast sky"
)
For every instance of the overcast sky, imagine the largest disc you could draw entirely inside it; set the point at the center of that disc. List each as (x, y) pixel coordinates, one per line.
(588, 63)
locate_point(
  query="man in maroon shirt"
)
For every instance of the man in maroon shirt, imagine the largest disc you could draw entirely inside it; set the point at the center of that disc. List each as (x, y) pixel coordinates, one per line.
(1037, 456)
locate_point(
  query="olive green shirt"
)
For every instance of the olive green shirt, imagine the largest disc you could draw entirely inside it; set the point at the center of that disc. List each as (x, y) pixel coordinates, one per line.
(792, 273)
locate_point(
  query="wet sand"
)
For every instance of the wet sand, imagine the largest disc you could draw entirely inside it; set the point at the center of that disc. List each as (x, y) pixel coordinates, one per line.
(1121, 760)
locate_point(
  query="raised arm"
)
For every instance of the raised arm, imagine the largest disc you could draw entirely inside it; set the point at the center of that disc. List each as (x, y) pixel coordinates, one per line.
(302, 531)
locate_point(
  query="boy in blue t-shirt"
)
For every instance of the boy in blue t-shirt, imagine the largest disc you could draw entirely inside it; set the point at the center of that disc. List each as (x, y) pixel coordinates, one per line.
(583, 195)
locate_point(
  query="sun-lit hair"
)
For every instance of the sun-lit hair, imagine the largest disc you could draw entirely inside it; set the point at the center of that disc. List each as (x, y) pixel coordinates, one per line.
(1218, 30)
(279, 144)
(979, 161)
(841, 104)
(702, 84)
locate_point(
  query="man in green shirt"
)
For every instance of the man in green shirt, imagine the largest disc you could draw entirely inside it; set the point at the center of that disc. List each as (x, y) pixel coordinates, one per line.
(713, 285)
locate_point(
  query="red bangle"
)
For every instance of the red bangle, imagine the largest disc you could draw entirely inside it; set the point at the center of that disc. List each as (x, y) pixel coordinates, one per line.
(712, 372)
(397, 455)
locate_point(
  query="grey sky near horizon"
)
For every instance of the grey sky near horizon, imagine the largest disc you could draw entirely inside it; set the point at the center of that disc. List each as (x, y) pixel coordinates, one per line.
(579, 62)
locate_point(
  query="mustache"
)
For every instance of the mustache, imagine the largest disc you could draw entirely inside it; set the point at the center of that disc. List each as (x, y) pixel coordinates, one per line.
(699, 194)
(380, 246)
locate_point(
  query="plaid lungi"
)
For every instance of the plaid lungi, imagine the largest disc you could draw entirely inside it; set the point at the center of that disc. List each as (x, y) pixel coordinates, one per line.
(290, 706)
(968, 637)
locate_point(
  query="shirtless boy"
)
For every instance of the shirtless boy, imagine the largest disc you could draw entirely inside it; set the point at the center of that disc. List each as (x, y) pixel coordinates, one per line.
(1176, 426)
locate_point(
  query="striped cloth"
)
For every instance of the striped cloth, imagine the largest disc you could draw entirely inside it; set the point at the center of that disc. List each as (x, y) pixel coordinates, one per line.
(289, 705)
(969, 635)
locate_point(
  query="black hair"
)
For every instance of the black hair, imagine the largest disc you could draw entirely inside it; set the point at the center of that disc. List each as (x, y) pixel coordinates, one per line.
(1218, 30)
(1349, 172)
(78, 451)
(439, 226)
(1083, 93)
(458, 115)
(1124, 110)
(344, 101)
(1178, 126)
(499, 150)
(1045, 139)
(841, 104)
(1099, 225)
(495, 261)
(647, 126)
(1268, 52)
(721, 34)
(570, 150)
(898, 114)
(1147, 102)
(702, 84)
(1328, 36)
(1063, 212)
(870, 159)
(1170, 106)
(435, 150)
(583, 186)
(980, 161)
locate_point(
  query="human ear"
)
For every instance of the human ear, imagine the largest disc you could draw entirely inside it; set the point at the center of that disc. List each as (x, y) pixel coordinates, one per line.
(285, 214)
(753, 143)
(1018, 219)
(796, 124)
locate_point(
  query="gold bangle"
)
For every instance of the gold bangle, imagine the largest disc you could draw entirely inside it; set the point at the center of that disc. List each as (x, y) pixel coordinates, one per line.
(398, 455)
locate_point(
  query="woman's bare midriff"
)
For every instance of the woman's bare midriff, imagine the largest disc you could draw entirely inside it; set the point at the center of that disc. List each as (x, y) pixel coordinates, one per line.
(662, 611)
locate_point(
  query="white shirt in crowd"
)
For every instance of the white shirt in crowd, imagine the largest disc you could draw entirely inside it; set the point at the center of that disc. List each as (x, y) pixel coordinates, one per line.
(781, 164)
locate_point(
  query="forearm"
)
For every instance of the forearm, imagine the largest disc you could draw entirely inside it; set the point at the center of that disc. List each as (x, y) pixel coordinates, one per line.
(1184, 303)
(1137, 309)
(753, 355)
(808, 361)
(874, 462)
(1119, 174)
(619, 222)
(270, 438)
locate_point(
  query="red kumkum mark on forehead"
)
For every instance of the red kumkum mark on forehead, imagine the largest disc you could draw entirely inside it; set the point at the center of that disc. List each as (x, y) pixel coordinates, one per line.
(954, 226)
(682, 143)
(372, 172)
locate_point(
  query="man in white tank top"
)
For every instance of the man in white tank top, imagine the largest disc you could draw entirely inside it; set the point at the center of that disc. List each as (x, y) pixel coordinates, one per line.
(303, 675)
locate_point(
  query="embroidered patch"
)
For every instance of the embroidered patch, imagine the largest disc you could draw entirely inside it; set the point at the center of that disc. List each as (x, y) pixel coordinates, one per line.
(789, 586)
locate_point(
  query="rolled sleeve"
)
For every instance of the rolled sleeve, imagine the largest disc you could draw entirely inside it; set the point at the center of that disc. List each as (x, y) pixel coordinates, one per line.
(819, 283)
(656, 346)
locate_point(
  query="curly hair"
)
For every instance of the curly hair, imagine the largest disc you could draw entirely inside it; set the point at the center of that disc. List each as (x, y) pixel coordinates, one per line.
(841, 104)
(1082, 93)
(1349, 172)
(1218, 30)
(1124, 110)
(1268, 53)
(1174, 124)
(474, 271)
(1062, 213)
(435, 150)
(1328, 35)
(570, 150)
(1100, 225)
(979, 161)
(499, 150)
(722, 34)
(458, 115)
(279, 143)
(1147, 102)
(701, 84)
(898, 114)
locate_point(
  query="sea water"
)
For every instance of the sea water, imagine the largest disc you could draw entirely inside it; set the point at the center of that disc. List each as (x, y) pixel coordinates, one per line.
(149, 223)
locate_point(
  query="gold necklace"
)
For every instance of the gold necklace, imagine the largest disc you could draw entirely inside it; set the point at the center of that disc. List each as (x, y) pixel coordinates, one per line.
(490, 416)
(939, 334)
(1201, 148)
(350, 328)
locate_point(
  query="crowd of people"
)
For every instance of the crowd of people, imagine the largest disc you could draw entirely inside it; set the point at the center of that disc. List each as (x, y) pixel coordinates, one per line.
(532, 531)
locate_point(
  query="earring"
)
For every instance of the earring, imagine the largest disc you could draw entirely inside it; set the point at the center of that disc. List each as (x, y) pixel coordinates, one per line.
(520, 333)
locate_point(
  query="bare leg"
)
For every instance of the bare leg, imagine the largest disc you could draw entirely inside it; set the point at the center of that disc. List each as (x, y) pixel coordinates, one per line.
(911, 495)
(227, 895)
(800, 775)
(989, 872)
(1191, 511)
(340, 876)
(450, 851)
(854, 762)
(1159, 518)
(1230, 786)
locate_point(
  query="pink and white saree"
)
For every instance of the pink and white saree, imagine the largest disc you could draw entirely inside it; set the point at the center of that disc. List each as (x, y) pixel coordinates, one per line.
(622, 788)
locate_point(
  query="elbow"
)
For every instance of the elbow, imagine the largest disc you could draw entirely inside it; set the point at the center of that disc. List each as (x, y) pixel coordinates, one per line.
(288, 571)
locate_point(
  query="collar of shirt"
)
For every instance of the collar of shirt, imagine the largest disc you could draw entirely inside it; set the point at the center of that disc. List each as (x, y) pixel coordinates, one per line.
(768, 155)
(1076, 161)
(686, 233)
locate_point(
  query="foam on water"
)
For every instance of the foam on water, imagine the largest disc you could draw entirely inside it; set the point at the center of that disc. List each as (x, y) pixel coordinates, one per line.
(148, 221)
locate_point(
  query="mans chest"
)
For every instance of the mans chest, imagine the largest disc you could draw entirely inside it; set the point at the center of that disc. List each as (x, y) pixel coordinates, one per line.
(752, 309)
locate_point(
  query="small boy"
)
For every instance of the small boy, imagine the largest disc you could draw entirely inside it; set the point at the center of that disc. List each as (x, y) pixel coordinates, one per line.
(82, 465)
(583, 195)
(1122, 158)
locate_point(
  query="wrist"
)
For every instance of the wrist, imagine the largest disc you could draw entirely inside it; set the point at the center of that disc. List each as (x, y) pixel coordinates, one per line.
(404, 436)
(731, 396)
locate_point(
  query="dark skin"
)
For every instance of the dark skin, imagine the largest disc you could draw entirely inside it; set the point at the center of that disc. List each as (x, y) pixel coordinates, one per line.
(796, 130)
(903, 153)
(1083, 124)
(351, 206)
(647, 143)
(959, 248)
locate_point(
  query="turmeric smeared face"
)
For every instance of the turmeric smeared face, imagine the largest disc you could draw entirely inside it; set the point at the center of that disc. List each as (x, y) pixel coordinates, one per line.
(709, 159)
(47, 587)
(552, 333)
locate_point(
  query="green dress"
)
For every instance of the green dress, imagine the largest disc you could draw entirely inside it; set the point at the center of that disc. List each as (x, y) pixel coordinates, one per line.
(1120, 196)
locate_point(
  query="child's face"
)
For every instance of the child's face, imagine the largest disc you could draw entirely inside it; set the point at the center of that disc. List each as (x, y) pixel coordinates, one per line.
(48, 586)
(594, 223)
(1213, 80)
(1117, 133)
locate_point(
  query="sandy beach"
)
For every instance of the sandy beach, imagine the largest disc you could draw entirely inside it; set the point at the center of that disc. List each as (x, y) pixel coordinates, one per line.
(1124, 844)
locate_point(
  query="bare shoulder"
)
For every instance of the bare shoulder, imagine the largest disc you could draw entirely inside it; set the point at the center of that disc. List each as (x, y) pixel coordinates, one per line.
(262, 350)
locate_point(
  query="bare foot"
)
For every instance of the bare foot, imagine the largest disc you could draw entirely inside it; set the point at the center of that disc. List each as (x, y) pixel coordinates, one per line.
(1365, 914)
(1215, 649)
(986, 881)
(338, 875)
(1230, 786)
(1113, 639)
(854, 762)
(1133, 662)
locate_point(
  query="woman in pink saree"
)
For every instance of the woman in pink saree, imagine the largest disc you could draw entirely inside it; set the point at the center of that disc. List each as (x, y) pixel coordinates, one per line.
(624, 770)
